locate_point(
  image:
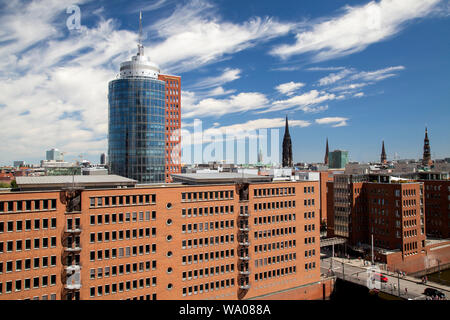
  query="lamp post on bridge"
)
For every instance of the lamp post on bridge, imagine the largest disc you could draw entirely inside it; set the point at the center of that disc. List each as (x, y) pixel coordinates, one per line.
(332, 255)
(439, 268)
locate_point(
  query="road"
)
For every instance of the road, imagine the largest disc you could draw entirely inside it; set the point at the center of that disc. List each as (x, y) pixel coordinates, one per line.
(355, 271)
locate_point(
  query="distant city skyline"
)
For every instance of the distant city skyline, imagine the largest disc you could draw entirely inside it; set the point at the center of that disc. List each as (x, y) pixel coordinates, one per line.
(355, 72)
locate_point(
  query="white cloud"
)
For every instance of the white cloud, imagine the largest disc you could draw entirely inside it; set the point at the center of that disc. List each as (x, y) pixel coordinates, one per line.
(334, 77)
(350, 86)
(351, 79)
(263, 124)
(54, 83)
(300, 102)
(194, 36)
(67, 107)
(289, 87)
(293, 68)
(359, 95)
(325, 68)
(318, 109)
(219, 91)
(355, 29)
(241, 130)
(377, 75)
(54, 106)
(336, 121)
(245, 101)
(25, 24)
(228, 75)
(154, 5)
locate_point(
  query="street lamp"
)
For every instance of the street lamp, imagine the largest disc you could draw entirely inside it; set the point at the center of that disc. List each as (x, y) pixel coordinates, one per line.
(439, 268)
(332, 255)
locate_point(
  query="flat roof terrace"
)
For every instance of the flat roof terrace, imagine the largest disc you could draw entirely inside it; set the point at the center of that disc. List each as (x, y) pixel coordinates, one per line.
(219, 178)
(76, 181)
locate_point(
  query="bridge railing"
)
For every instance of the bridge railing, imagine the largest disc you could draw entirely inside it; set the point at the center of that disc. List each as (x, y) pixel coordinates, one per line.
(384, 287)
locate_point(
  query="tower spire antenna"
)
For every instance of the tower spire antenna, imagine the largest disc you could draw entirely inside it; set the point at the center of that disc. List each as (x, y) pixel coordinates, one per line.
(140, 27)
(140, 46)
(383, 154)
(287, 147)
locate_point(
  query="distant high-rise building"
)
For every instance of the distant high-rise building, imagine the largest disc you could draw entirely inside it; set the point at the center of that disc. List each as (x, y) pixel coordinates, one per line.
(426, 160)
(383, 154)
(287, 147)
(54, 155)
(144, 121)
(18, 163)
(103, 159)
(325, 161)
(338, 159)
(260, 156)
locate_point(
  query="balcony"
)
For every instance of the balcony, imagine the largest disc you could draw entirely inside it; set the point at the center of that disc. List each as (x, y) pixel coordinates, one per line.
(72, 249)
(244, 286)
(74, 212)
(244, 272)
(244, 243)
(73, 230)
(244, 228)
(244, 214)
(72, 268)
(73, 286)
(244, 256)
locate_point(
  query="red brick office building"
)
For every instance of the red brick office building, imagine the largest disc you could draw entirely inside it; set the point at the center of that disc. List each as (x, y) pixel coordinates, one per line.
(210, 237)
(437, 203)
(172, 152)
(389, 209)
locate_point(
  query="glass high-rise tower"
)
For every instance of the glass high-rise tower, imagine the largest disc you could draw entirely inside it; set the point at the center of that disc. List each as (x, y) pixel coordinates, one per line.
(141, 114)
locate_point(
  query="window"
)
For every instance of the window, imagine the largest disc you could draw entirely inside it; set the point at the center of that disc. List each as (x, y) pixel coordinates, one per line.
(36, 282)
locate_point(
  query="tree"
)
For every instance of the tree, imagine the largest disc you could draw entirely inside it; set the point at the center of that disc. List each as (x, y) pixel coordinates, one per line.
(14, 184)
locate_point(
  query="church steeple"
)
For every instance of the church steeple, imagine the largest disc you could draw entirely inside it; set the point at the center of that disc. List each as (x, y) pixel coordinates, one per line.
(383, 154)
(325, 161)
(287, 147)
(426, 160)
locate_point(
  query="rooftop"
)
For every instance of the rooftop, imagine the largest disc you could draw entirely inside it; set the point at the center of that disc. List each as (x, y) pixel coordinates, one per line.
(219, 178)
(78, 181)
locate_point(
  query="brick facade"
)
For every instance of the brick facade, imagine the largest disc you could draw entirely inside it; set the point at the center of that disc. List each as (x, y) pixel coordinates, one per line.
(160, 242)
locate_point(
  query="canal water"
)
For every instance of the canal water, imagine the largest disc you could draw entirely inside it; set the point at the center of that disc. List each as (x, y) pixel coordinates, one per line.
(442, 277)
(349, 291)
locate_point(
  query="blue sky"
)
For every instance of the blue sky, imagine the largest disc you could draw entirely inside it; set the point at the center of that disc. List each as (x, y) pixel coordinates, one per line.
(357, 72)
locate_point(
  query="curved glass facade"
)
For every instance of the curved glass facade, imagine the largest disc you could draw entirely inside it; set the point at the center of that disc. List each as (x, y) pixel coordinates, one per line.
(136, 128)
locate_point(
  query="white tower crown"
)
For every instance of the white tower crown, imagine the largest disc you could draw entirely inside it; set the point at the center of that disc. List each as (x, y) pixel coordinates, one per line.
(140, 65)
